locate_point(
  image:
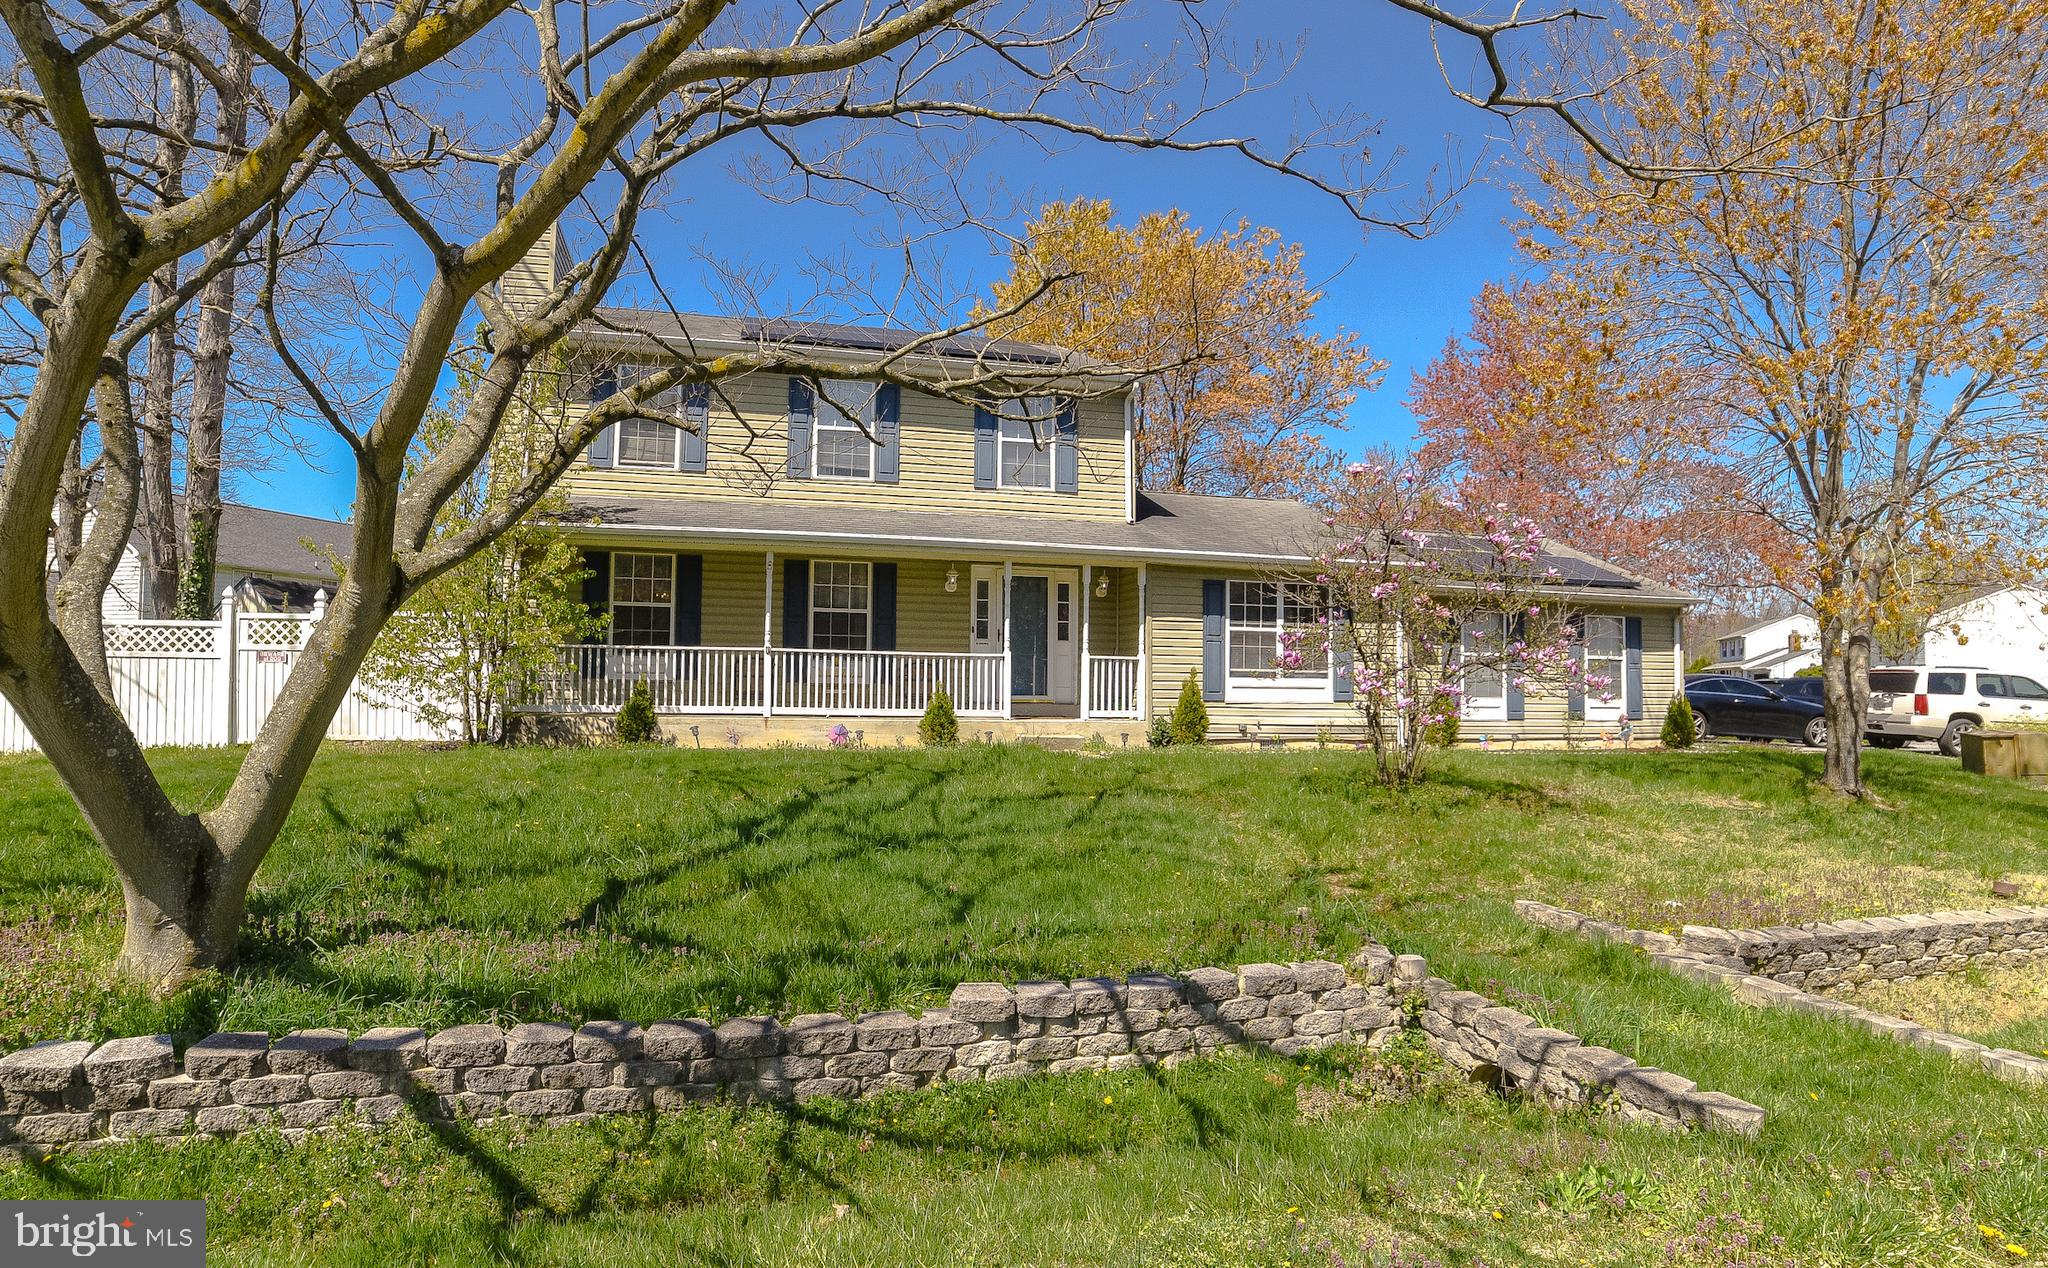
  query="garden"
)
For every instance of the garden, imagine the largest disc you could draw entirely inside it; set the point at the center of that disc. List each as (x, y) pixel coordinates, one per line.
(417, 887)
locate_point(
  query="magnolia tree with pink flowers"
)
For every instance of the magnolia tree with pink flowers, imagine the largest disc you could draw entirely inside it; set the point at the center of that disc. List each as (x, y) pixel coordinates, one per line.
(1431, 604)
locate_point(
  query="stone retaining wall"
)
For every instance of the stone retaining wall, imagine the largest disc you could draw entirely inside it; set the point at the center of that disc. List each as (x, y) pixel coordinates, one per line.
(1844, 954)
(1690, 958)
(72, 1093)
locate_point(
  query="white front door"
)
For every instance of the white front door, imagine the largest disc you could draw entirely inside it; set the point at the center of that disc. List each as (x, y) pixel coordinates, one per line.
(1045, 628)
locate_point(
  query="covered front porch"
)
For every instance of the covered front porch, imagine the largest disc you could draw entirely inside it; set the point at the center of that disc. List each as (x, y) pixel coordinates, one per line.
(849, 638)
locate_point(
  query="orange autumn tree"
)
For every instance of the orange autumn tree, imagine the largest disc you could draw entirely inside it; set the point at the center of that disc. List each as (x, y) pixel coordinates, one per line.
(1837, 214)
(1540, 411)
(1244, 392)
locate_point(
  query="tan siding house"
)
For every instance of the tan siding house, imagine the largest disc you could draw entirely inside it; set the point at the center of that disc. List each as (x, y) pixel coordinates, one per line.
(792, 553)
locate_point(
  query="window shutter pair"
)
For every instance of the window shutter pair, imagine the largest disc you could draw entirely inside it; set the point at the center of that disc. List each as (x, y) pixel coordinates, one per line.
(687, 599)
(696, 448)
(886, 424)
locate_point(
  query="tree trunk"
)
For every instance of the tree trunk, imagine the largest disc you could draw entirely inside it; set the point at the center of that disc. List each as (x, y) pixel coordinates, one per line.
(160, 549)
(183, 915)
(1845, 697)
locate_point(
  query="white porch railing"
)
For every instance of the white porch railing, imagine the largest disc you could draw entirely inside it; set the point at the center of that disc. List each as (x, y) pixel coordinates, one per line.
(1113, 686)
(596, 678)
(880, 683)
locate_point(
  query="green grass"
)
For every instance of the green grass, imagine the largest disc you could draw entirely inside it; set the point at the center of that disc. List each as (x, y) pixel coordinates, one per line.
(434, 887)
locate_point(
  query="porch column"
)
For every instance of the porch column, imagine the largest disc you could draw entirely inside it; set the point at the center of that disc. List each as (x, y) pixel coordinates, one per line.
(768, 635)
(1144, 652)
(1087, 615)
(1009, 705)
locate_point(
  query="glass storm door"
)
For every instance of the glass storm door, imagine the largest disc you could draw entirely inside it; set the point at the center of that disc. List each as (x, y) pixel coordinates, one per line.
(1028, 652)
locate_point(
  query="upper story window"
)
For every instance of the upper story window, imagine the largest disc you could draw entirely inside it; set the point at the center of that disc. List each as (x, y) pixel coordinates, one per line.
(1025, 460)
(840, 443)
(643, 599)
(648, 444)
(840, 605)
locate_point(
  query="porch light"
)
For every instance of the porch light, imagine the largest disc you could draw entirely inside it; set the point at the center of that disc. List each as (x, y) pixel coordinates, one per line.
(952, 580)
(1102, 586)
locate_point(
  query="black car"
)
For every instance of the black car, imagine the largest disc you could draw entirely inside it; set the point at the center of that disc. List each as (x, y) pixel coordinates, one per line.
(1723, 705)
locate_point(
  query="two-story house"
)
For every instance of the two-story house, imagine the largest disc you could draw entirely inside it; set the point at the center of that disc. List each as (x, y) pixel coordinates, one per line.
(1773, 647)
(782, 570)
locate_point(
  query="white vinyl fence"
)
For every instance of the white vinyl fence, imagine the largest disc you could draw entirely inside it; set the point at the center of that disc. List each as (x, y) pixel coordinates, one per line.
(214, 682)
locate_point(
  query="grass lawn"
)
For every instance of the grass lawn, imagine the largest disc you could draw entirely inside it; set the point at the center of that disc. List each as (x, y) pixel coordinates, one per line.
(429, 888)
(2006, 1008)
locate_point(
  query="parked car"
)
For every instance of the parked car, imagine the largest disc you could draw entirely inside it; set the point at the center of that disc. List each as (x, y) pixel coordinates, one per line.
(1808, 688)
(1943, 703)
(1727, 705)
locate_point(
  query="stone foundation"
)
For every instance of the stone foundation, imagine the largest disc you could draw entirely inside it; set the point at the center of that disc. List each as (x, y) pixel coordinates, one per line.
(73, 1093)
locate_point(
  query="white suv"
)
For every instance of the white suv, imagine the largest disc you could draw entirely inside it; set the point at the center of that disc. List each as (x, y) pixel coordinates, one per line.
(1944, 702)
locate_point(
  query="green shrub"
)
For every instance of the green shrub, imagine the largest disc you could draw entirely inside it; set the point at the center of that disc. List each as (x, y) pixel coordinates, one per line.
(1190, 724)
(940, 726)
(1679, 728)
(1442, 734)
(1159, 731)
(1811, 671)
(636, 723)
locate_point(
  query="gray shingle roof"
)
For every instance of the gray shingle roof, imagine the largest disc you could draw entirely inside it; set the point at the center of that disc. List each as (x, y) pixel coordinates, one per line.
(1169, 525)
(271, 543)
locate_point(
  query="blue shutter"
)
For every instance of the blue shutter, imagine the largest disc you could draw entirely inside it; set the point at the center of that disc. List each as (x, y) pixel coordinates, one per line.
(984, 449)
(1341, 659)
(1066, 453)
(1214, 650)
(1575, 700)
(799, 465)
(697, 412)
(882, 608)
(888, 447)
(796, 603)
(601, 450)
(689, 601)
(1518, 632)
(1632, 640)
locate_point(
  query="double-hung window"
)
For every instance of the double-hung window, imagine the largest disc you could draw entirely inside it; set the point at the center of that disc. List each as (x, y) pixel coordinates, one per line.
(648, 444)
(643, 599)
(1605, 669)
(1481, 644)
(1276, 643)
(1024, 460)
(840, 595)
(840, 429)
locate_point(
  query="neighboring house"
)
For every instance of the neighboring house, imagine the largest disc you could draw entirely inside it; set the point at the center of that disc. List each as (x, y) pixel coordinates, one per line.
(779, 573)
(1774, 647)
(1997, 626)
(263, 554)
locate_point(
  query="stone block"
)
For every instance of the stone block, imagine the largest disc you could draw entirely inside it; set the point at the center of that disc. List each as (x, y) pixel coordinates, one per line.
(1241, 1009)
(237, 1054)
(150, 1122)
(1292, 1004)
(1266, 980)
(1545, 1044)
(351, 1085)
(1718, 1111)
(469, 1105)
(1319, 1023)
(50, 1066)
(931, 1060)
(116, 1096)
(1374, 963)
(1077, 1065)
(609, 1041)
(667, 1100)
(137, 1060)
(182, 1091)
(1051, 1047)
(1211, 986)
(381, 1109)
(310, 1052)
(1161, 1042)
(384, 1050)
(1410, 969)
(1010, 1070)
(885, 1032)
(836, 1089)
(750, 1037)
(1268, 1030)
(818, 1035)
(862, 1065)
(1044, 1000)
(650, 1073)
(1318, 975)
(55, 1129)
(683, 1040)
(1097, 996)
(540, 1043)
(436, 1080)
(498, 1078)
(543, 1102)
(268, 1089)
(1152, 991)
(316, 1112)
(938, 1029)
(982, 1002)
(226, 1120)
(1107, 1044)
(1345, 998)
(574, 1074)
(1656, 1090)
(1595, 1066)
(989, 1052)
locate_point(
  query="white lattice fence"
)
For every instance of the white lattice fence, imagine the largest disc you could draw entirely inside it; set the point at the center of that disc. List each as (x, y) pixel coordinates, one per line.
(214, 682)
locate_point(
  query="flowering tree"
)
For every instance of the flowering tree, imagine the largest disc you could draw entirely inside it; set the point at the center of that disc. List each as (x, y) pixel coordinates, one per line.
(1431, 604)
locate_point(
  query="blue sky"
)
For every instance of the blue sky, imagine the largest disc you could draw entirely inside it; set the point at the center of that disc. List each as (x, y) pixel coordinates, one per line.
(1403, 297)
